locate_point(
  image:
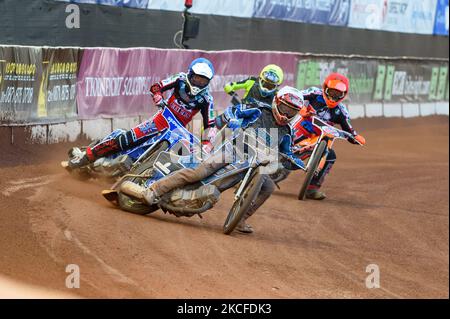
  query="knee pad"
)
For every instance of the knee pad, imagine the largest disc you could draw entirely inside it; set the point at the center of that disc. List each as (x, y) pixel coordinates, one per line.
(125, 140)
(268, 186)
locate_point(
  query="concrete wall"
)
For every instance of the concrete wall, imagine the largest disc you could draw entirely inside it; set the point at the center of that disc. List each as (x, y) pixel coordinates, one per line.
(96, 129)
(65, 132)
(405, 110)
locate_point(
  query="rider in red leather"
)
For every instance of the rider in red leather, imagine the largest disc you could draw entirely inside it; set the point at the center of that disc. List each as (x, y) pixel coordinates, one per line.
(189, 96)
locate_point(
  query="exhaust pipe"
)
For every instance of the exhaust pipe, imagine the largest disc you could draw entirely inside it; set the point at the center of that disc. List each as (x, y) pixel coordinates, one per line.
(133, 190)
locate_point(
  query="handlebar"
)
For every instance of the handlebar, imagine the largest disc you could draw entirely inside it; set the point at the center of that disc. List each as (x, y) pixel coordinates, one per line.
(235, 99)
(289, 159)
(352, 137)
(163, 103)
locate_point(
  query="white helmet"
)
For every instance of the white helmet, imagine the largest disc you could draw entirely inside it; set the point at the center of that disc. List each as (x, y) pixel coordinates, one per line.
(287, 105)
(201, 72)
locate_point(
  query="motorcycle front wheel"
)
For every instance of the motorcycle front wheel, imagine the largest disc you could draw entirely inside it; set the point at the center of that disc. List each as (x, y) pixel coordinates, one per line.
(312, 170)
(243, 204)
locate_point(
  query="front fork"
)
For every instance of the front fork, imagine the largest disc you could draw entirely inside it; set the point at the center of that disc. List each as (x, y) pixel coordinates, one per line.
(324, 156)
(244, 184)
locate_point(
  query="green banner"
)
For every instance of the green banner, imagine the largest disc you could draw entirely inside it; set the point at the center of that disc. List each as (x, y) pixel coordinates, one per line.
(378, 80)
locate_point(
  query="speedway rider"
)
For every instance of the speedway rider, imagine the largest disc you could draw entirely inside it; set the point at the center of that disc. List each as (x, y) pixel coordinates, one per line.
(190, 96)
(327, 104)
(261, 89)
(284, 108)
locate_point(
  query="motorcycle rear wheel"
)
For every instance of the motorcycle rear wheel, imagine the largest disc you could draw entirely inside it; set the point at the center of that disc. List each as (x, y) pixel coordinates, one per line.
(130, 204)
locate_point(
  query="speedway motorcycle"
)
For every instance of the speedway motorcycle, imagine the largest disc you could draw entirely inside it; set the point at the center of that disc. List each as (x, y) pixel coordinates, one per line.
(176, 136)
(317, 147)
(243, 172)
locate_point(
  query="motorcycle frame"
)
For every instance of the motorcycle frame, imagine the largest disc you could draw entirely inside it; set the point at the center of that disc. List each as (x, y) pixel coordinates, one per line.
(175, 133)
(330, 137)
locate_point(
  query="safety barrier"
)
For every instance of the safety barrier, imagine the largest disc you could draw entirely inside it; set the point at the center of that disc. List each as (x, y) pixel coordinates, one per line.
(54, 95)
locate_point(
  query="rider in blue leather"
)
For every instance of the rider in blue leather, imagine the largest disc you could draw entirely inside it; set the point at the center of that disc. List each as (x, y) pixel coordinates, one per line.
(284, 109)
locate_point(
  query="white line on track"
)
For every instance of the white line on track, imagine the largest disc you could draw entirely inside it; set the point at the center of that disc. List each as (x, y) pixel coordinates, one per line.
(22, 184)
(110, 270)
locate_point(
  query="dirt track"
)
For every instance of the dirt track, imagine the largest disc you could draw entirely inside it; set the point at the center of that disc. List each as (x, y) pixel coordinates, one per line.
(388, 205)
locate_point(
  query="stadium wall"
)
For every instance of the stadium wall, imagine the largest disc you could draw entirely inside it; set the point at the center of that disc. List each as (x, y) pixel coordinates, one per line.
(73, 130)
(52, 95)
(43, 22)
(40, 99)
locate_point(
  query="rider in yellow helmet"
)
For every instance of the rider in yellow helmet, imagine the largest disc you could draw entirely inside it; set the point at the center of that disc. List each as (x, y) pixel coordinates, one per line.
(262, 89)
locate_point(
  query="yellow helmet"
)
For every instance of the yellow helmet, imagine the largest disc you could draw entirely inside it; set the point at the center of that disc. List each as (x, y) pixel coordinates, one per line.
(270, 78)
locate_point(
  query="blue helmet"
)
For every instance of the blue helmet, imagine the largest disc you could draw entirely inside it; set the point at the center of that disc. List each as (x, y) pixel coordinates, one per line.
(201, 71)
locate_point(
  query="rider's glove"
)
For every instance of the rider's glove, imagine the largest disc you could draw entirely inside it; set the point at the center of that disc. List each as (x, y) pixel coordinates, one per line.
(212, 133)
(307, 111)
(207, 147)
(158, 99)
(247, 115)
(228, 88)
(234, 123)
(208, 142)
(358, 138)
(238, 117)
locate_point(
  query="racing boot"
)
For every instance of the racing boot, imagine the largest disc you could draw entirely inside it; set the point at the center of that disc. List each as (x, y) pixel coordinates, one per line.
(315, 194)
(150, 197)
(267, 188)
(78, 159)
(243, 227)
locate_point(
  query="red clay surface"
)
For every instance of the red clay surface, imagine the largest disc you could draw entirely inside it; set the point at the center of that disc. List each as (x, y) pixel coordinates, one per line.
(388, 205)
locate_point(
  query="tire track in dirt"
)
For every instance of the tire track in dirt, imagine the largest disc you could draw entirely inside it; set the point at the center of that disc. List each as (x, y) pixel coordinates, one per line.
(385, 206)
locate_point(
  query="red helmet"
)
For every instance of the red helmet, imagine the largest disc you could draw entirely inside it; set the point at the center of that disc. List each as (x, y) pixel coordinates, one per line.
(335, 89)
(287, 105)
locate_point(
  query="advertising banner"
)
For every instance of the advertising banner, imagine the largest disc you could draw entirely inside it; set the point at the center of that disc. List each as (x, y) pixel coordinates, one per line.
(47, 85)
(330, 12)
(361, 73)
(20, 75)
(234, 8)
(410, 16)
(442, 19)
(367, 14)
(379, 80)
(141, 4)
(38, 85)
(115, 82)
(57, 93)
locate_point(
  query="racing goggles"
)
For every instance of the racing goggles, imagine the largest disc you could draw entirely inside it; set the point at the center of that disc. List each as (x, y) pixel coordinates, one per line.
(287, 110)
(334, 95)
(269, 80)
(199, 81)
